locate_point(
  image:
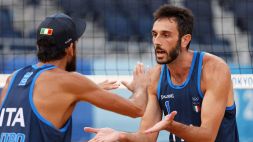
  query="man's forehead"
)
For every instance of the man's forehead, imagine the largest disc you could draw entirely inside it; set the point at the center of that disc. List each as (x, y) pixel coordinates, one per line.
(165, 24)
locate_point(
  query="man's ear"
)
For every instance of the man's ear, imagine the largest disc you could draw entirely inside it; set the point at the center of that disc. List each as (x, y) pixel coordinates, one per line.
(185, 40)
(70, 50)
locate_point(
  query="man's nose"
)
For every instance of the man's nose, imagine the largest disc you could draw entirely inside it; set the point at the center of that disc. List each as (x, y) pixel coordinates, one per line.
(156, 41)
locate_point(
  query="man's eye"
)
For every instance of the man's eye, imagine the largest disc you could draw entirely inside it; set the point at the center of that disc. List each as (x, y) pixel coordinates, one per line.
(166, 35)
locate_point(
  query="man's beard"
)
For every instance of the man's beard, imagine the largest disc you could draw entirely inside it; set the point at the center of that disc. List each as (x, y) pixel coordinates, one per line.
(171, 56)
(71, 66)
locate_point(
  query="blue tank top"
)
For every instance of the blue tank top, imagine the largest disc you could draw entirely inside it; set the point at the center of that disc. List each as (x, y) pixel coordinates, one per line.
(19, 118)
(187, 98)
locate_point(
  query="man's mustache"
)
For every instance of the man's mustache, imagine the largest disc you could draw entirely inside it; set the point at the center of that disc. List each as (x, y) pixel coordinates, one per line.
(158, 48)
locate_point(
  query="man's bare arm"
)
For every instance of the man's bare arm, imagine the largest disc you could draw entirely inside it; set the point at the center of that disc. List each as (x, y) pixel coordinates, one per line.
(152, 115)
(217, 79)
(86, 90)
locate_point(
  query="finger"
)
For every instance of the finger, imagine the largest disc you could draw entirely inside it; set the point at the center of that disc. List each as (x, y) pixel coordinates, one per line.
(162, 124)
(112, 81)
(156, 128)
(102, 83)
(148, 74)
(137, 69)
(105, 81)
(171, 116)
(91, 130)
(142, 68)
(93, 139)
(113, 86)
(138, 66)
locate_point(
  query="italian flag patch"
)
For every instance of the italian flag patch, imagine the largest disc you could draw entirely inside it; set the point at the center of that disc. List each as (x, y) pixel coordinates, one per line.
(46, 31)
(196, 108)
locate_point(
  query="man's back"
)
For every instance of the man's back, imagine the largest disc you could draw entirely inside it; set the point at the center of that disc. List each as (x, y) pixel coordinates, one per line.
(20, 119)
(52, 96)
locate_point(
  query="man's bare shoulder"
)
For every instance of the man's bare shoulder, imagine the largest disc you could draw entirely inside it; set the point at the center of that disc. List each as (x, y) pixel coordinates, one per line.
(154, 78)
(215, 68)
(213, 62)
(64, 82)
(63, 76)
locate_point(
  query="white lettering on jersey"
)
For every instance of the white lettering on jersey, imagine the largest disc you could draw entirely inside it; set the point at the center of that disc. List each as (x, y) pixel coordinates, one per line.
(25, 78)
(19, 118)
(12, 137)
(14, 116)
(169, 96)
(10, 111)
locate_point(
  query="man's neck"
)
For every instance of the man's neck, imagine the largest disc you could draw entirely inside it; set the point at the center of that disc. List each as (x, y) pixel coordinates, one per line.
(58, 63)
(180, 68)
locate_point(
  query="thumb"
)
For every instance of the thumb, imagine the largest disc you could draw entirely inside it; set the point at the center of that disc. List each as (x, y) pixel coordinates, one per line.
(91, 130)
(126, 84)
(171, 116)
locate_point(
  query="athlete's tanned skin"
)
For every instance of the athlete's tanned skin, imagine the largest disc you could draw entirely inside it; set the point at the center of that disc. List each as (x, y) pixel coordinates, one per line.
(215, 121)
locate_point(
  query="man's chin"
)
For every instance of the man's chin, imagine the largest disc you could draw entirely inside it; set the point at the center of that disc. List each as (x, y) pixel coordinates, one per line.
(160, 62)
(163, 61)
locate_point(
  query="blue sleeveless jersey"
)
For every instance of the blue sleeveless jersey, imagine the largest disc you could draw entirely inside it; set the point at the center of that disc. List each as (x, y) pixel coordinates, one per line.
(19, 119)
(187, 98)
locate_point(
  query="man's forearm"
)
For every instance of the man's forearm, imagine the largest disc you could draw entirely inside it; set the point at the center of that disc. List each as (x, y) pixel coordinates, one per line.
(191, 133)
(139, 98)
(134, 137)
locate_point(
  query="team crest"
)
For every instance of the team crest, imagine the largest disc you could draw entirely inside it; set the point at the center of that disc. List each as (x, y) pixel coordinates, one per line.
(196, 108)
(46, 31)
(196, 104)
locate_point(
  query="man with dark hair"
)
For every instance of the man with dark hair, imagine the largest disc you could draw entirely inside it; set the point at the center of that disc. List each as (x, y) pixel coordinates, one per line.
(38, 100)
(193, 89)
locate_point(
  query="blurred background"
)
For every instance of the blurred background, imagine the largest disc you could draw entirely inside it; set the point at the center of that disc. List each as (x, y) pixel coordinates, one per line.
(118, 35)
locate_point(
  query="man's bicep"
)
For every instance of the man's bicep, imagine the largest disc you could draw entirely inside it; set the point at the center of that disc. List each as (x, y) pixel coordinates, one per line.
(79, 86)
(86, 90)
(215, 100)
(109, 101)
(95, 95)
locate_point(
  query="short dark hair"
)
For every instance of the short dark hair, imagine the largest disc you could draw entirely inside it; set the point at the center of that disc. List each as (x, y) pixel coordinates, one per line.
(183, 17)
(49, 51)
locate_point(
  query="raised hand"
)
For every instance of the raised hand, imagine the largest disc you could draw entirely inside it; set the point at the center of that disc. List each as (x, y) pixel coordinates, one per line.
(138, 86)
(109, 85)
(103, 134)
(163, 124)
(140, 80)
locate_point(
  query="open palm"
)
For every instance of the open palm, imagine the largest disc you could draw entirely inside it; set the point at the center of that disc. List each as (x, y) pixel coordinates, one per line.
(103, 134)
